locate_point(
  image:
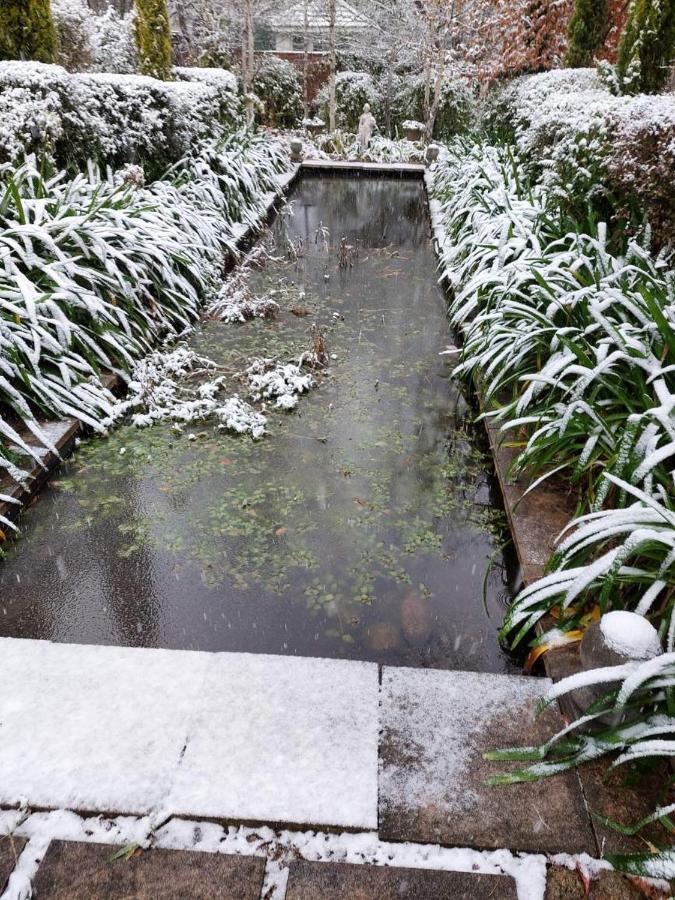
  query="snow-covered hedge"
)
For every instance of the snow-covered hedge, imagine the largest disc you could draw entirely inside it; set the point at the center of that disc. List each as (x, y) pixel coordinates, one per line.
(574, 348)
(113, 118)
(585, 142)
(277, 84)
(94, 271)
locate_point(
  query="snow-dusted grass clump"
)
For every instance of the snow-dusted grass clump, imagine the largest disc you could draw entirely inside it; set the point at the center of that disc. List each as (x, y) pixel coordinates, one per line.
(94, 272)
(268, 379)
(234, 302)
(169, 385)
(573, 344)
(112, 117)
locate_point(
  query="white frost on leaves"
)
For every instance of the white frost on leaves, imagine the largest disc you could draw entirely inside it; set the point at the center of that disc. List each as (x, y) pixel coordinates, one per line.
(630, 635)
(237, 415)
(267, 379)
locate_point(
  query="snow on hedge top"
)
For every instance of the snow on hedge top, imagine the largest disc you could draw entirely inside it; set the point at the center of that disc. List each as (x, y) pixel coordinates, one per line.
(44, 107)
(630, 635)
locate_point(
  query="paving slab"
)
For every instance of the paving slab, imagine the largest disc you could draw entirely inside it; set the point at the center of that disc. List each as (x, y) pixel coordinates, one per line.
(283, 739)
(436, 726)
(566, 884)
(338, 881)
(10, 850)
(236, 736)
(93, 728)
(74, 870)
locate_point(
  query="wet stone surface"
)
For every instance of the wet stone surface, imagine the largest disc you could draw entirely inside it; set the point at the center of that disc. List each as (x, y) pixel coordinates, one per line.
(10, 850)
(365, 525)
(565, 884)
(436, 728)
(79, 871)
(337, 881)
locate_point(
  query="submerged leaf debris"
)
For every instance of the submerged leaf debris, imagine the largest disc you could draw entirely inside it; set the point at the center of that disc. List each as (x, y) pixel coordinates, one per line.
(362, 526)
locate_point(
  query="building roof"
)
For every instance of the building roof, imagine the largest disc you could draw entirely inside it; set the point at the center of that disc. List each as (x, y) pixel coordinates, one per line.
(317, 16)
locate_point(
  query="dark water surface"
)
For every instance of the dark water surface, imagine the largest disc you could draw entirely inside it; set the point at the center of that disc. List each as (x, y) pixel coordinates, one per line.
(363, 526)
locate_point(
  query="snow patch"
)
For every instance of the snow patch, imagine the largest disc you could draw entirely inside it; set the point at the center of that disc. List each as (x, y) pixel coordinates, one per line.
(630, 635)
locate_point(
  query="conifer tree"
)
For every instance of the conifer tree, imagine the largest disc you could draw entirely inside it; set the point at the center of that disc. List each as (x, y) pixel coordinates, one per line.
(647, 48)
(153, 37)
(27, 30)
(587, 31)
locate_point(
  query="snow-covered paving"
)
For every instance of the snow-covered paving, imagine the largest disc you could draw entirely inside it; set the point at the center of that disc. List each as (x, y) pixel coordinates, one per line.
(279, 847)
(158, 732)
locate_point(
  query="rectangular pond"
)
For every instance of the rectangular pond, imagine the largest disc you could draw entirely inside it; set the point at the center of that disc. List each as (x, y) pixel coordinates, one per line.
(364, 525)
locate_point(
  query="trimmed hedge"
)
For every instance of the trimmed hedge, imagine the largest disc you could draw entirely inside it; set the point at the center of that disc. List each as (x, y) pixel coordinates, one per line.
(113, 118)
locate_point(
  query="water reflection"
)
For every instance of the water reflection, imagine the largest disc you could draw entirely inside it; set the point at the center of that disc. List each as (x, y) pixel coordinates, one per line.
(351, 531)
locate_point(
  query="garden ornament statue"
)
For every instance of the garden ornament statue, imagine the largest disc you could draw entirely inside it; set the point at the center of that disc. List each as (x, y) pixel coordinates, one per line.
(367, 125)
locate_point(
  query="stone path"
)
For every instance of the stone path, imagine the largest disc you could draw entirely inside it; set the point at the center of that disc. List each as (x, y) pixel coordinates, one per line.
(436, 727)
(78, 871)
(337, 881)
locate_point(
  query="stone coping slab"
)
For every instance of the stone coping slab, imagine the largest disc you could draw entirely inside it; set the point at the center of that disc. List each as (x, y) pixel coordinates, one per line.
(10, 850)
(234, 736)
(339, 881)
(81, 871)
(409, 170)
(436, 726)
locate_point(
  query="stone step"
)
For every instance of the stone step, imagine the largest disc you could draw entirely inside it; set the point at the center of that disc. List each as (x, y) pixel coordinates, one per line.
(73, 870)
(339, 881)
(436, 727)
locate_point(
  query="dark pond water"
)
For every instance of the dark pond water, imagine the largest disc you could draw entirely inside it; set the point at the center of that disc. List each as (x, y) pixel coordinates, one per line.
(363, 526)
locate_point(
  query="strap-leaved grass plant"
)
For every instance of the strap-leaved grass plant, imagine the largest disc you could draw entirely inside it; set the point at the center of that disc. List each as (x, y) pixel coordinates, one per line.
(573, 348)
(95, 270)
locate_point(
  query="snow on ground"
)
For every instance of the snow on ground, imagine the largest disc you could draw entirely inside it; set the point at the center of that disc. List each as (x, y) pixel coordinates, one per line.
(279, 847)
(238, 736)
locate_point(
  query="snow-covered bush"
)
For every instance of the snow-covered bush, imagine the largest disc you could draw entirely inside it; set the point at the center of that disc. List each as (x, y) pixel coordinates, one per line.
(223, 82)
(114, 118)
(455, 109)
(96, 270)
(352, 91)
(642, 159)
(277, 84)
(74, 22)
(113, 44)
(588, 144)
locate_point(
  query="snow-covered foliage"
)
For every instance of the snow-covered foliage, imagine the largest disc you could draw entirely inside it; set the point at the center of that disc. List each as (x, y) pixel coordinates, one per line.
(277, 83)
(73, 22)
(96, 270)
(586, 142)
(343, 145)
(223, 82)
(162, 389)
(268, 379)
(234, 301)
(113, 44)
(573, 347)
(115, 118)
(352, 91)
(455, 107)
